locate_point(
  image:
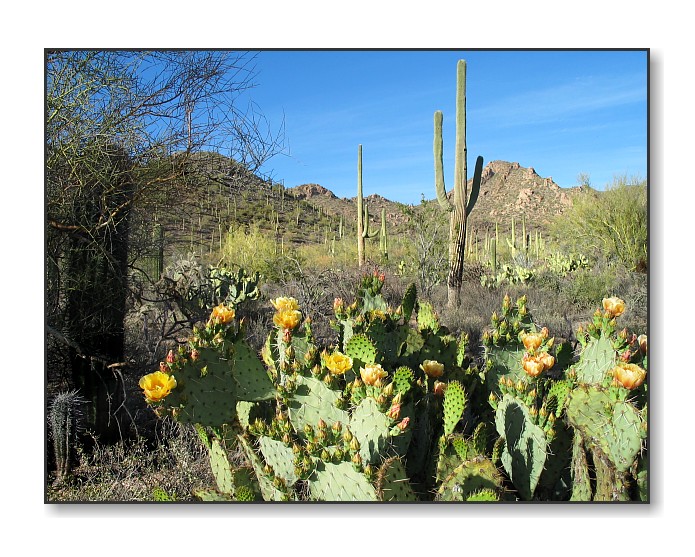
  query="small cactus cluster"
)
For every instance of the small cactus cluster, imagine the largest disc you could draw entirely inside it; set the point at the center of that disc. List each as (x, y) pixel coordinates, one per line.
(508, 275)
(394, 410)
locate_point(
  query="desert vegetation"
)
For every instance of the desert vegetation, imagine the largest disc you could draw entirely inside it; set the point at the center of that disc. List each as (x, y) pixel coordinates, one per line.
(215, 336)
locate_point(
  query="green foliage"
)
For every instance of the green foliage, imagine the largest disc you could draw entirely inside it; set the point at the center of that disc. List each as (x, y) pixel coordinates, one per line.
(612, 223)
(404, 420)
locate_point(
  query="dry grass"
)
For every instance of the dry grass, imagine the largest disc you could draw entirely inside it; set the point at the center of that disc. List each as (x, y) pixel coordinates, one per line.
(174, 464)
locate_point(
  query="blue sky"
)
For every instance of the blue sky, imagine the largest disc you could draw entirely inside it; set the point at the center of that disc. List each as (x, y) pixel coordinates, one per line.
(561, 112)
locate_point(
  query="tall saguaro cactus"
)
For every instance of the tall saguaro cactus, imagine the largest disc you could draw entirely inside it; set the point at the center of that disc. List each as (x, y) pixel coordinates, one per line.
(362, 213)
(463, 203)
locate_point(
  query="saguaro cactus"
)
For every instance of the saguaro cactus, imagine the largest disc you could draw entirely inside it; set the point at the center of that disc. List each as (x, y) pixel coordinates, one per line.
(362, 213)
(462, 204)
(383, 236)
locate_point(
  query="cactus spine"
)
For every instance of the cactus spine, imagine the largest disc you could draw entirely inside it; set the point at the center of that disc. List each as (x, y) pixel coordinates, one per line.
(462, 204)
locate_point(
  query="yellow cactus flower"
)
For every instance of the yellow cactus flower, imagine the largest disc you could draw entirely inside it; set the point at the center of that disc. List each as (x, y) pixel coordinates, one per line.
(287, 319)
(378, 314)
(284, 303)
(432, 368)
(629, 376)
(372, 373)
(338, 363)
(614, 306)
(157, 385)
(222, 314)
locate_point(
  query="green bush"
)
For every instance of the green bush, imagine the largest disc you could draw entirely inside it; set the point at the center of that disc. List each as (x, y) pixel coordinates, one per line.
(612, 223)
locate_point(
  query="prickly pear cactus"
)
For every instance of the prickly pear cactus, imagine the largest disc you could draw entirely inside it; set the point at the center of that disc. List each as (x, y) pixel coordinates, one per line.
(525, 447)
(615, 427)
(392, 482)
(340, 482)
(468, 479)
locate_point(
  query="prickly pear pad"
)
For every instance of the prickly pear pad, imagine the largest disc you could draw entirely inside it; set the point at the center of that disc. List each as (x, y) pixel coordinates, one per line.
(524, 452)
(312, 401)
(340, 482)
(614, 426)
(392, 482)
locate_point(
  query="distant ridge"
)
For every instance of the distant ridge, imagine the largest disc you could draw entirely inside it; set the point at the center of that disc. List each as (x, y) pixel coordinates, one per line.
(507, 190)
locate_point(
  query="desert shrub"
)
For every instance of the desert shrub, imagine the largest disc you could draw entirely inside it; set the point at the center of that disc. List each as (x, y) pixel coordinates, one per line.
(584, 287)
(140, 469)
(255, 250)
(612, 223)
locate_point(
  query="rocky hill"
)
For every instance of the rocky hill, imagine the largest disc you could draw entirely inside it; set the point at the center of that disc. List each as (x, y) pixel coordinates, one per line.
(507, 190)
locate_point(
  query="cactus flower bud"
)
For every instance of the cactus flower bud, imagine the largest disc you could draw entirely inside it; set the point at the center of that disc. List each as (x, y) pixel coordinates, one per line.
(439, 388)
(625, 356)
(520, 386)
(388, 390)
(394, 412)
(325, 455)
(642, 341)
(533, 411)
(321, 424)
(354, 445)
(403, 424)
(506, 303)
(337, 427)
(163, 367)
(347, 436)
(286, 438)
(170, 357)
(369, 472)
(357, 459)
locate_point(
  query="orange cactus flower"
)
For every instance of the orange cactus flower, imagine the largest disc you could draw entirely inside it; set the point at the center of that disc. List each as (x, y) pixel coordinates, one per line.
(157, 385)
(614, 306)
(222, 315)
(629, 376)
(547, 360)
(432, 368)
(338, 363)
(532, 341)
(533, 365)
(372, 373)
(287, 319)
